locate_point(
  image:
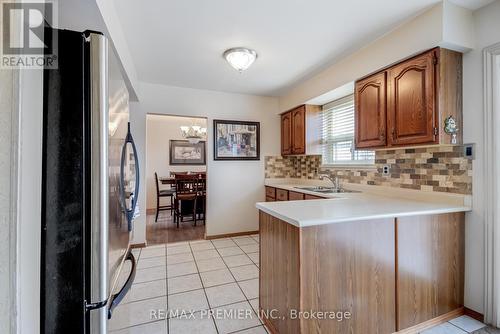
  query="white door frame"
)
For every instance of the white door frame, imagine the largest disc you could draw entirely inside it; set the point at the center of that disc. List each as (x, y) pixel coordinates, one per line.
(491, 74)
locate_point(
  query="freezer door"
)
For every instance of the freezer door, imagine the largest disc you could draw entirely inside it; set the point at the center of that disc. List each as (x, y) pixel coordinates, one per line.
(99, 197)
(64, 190)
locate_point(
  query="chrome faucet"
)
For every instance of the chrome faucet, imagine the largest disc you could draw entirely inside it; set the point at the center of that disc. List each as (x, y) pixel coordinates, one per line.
(335, 180)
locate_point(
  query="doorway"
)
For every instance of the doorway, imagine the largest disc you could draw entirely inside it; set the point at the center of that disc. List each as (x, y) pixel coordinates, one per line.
(176, 156)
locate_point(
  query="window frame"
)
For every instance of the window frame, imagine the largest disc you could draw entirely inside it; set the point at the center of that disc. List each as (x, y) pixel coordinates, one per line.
(343, 164)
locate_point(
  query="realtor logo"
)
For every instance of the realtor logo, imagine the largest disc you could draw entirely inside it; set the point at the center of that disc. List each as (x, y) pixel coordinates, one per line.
(27, 41)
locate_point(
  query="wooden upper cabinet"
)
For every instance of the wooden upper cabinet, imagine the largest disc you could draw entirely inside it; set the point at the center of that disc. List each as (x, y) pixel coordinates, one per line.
(407, 104)
(299, 130)
(412, 101)
(371, 111)
(286, 134)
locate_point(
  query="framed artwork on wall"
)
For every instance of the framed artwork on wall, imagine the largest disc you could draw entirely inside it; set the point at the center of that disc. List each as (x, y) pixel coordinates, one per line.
(236, 140)
(182, 152)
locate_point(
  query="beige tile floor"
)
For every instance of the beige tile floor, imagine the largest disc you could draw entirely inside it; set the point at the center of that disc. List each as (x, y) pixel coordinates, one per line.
(201, 276)
(195, 277)
(461, 325)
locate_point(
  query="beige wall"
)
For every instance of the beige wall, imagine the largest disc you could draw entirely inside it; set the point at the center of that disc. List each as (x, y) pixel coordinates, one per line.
(160, 130)
(486, 28)
(137, 118)
(233, 186)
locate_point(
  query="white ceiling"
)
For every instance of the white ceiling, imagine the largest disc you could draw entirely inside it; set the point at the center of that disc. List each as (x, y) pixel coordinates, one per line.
(180, 42)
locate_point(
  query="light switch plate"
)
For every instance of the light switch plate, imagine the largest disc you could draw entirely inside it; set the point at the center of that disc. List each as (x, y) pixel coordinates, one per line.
(470, 151)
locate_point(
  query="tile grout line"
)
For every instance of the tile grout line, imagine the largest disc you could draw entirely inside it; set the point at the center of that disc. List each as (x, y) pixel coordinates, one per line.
(249, 279)
(137, 325)
(167, 324)
(199, 275)
(203, 286)
(239, 331)
(246, 298)
(143, 323)
(258, 242)
(243, 280)
(462, 329)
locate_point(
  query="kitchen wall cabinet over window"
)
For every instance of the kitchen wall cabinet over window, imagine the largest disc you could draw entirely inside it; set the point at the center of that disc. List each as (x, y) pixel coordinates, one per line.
(370, 111)
(300, 130)
(407, 103)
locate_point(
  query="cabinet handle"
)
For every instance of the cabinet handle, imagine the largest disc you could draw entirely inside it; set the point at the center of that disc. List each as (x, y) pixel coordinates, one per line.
(393, 133)
(382, 134)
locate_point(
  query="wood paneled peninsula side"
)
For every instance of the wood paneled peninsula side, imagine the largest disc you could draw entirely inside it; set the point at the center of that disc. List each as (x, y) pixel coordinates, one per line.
(361, 263)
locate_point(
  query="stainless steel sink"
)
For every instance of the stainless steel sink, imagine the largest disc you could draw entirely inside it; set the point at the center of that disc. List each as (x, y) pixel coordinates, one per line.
(327, 190)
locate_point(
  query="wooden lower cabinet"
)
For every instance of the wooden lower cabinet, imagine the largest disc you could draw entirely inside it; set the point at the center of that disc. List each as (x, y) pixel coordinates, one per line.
(277, 194)
(270, 192)
(281, 195)
(430, 272)
(295, 196)
(279, 283)
(388, 274)
(349, 267)
(307, 196)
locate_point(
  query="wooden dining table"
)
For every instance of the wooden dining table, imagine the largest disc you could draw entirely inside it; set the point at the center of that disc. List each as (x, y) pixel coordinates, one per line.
(171, 179)
(167, 180)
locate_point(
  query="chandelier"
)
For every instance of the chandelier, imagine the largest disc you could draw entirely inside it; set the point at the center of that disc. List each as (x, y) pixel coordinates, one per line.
(193, 133)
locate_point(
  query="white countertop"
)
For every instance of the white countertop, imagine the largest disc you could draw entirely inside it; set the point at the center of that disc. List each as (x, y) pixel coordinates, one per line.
(372, 203)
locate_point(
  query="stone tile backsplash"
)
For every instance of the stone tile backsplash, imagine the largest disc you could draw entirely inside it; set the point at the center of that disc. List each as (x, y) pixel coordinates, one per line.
(435, 168)
(300, 166)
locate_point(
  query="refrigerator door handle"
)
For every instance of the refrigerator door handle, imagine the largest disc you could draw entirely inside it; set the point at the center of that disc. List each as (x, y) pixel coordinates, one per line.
(117, 298)
(129, 213)
(99, 187)
(95, 306)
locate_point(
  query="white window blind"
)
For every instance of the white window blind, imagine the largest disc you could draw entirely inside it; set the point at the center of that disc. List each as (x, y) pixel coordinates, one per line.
(337, 135)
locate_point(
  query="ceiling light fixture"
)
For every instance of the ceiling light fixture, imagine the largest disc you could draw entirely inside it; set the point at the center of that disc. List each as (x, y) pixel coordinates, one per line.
(240, 58)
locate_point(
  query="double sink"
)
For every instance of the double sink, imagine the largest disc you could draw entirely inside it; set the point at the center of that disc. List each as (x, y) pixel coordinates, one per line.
(327, 190)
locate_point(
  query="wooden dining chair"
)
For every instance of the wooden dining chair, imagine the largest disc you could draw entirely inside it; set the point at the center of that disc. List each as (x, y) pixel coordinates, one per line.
(201, 197)
(185, 197)
(163, 193)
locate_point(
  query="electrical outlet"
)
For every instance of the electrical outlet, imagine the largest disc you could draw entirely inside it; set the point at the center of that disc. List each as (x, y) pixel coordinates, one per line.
(385, 170)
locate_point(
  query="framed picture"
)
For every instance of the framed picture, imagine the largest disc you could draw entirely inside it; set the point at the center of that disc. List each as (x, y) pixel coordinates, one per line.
(182, 152)
(236, 140)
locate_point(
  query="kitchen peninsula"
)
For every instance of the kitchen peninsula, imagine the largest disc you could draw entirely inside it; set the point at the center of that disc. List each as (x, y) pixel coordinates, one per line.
(393, 263)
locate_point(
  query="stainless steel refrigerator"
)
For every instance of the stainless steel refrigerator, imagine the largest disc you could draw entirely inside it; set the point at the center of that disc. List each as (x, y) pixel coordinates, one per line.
(90, 181)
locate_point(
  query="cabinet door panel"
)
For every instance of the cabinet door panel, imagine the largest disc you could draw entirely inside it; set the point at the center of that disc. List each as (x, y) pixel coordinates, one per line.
(286, 133)
(295, 196)
(281, 195)
(307, 196)
(430, 267)
(412, 101)
(270, 192)
(370, 106)
(299, 130)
